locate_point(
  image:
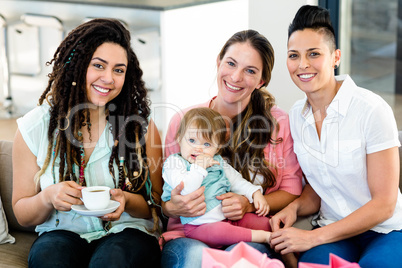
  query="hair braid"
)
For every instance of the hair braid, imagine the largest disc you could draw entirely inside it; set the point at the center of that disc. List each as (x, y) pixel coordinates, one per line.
(246, 141)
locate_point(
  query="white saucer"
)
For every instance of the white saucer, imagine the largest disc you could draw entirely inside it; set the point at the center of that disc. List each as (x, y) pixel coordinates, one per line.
(82, 210)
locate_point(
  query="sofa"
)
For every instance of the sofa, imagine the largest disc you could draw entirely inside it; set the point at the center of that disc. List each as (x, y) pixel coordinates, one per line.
(16, 255)
(12, 255)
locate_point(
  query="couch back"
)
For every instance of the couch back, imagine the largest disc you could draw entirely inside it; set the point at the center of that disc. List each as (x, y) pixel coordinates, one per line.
(6, 185)
(6, 182)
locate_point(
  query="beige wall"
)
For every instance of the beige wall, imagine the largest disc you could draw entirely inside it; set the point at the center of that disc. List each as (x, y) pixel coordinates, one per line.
(272, 19)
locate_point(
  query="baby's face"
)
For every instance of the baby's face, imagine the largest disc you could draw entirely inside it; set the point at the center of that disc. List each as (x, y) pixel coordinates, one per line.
(194, 144)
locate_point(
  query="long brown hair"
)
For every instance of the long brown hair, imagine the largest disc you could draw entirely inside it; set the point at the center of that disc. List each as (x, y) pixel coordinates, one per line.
(252, 130)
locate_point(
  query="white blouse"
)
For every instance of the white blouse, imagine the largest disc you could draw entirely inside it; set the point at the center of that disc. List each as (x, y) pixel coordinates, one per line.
(358, 123)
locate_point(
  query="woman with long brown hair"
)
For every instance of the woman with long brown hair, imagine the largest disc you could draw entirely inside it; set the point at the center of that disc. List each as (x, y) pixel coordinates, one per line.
(259, 146)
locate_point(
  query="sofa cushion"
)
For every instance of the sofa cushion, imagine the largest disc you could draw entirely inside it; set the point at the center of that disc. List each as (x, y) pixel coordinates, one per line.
(6, 185)
(16, 255)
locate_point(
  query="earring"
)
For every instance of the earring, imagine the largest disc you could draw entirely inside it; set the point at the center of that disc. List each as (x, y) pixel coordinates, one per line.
(336, 66)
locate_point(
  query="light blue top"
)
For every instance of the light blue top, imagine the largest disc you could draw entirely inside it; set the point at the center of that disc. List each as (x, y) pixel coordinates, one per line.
(216, 183)
(34, 127)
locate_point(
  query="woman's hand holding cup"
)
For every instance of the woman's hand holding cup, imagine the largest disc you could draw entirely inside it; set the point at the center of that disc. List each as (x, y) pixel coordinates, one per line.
(117, 195)
(63, 195)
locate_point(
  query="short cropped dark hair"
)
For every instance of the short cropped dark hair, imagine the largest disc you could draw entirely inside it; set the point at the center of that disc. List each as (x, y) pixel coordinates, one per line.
(315, 18)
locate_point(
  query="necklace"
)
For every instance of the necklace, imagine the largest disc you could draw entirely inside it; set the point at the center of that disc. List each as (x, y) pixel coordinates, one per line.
(82, 162)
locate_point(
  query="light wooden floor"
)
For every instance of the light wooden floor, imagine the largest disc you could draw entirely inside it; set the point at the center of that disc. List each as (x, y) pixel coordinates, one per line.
(9, 126)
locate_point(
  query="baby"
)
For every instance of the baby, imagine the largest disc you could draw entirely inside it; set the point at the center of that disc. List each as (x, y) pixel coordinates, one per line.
(201, 134)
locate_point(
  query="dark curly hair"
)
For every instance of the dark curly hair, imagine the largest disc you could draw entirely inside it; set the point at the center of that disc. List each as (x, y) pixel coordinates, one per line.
(127, 114)
(253, 129)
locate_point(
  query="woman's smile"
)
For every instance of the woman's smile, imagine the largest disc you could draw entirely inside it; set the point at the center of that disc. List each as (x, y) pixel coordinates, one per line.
(306, 77)
(106, 73)
(310, 61)
(239, 74)
(102, 90)
(232, 88)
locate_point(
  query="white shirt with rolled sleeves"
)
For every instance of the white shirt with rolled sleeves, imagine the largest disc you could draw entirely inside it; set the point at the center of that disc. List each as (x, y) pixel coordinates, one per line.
(358, 123)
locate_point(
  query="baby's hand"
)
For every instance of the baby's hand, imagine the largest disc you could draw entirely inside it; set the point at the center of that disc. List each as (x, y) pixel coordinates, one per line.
(205, 161)
(260, 204)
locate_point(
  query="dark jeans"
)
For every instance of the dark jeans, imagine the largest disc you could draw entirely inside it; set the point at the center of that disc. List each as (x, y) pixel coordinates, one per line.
(369, 249)
(129, 248)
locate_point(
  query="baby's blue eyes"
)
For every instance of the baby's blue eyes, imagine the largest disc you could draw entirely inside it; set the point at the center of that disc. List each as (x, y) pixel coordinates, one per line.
(207, 144)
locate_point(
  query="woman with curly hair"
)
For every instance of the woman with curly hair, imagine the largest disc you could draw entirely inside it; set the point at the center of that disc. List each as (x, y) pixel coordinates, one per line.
(92, 127)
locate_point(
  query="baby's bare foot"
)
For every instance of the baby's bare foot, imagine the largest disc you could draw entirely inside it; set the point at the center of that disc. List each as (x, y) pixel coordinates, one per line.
(268, 237)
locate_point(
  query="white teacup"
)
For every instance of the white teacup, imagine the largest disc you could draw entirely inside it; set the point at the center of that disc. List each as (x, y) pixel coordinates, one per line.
(96, 197)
